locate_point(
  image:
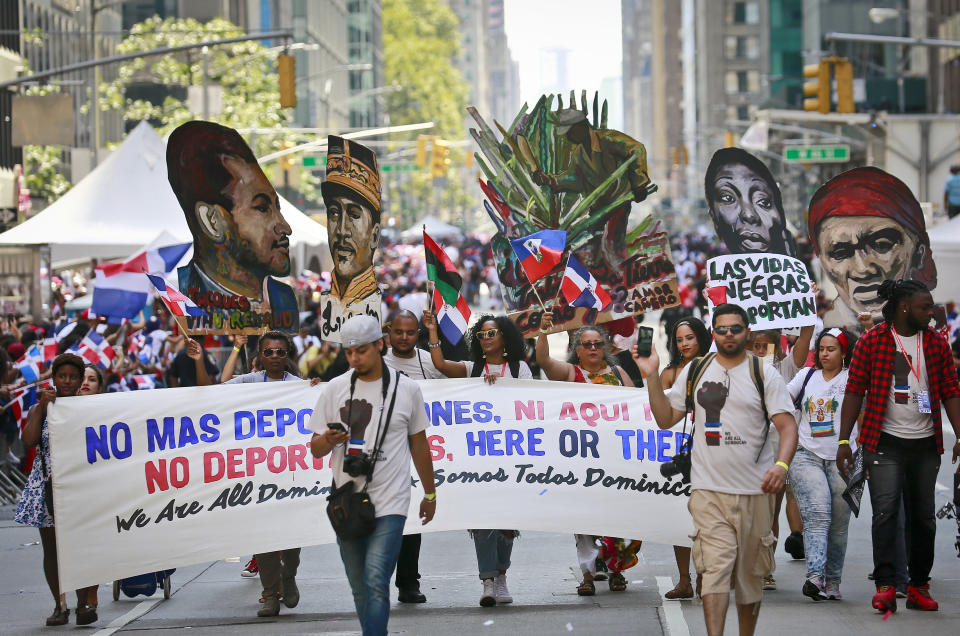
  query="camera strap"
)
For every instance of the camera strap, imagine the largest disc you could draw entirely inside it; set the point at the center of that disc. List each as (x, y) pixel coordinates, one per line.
(383, 435)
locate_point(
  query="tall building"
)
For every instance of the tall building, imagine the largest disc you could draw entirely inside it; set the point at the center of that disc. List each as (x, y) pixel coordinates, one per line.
(504, 72)
(365, 42)
(474, 46)
(637, 69)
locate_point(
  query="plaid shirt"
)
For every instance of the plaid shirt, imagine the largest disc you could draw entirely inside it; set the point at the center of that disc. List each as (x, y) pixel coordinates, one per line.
(871, 372)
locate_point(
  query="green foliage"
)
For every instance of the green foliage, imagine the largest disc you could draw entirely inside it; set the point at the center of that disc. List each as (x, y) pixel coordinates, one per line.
(420, 41)
(245, 70)
(42, 164)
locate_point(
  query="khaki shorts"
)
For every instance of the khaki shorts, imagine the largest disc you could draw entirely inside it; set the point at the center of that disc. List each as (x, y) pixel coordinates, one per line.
(733, 542)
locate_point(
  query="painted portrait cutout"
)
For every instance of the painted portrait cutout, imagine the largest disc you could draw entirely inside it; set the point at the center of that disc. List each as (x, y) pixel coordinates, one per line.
(745, 205)
(558, 167)
(866, 227)
(351, 194)
(240, 240)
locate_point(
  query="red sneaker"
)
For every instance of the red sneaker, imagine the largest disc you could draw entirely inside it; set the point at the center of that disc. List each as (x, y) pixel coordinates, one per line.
(250, 569)
(918, 598)
(885, 600)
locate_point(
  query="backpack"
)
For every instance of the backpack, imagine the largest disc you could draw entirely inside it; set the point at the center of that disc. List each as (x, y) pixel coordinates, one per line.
(699, 366)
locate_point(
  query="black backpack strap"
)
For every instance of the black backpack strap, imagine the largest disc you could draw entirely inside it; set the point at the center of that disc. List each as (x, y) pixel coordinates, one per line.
(799, 399)
(697, 368)
(756, 373)
(616, 372)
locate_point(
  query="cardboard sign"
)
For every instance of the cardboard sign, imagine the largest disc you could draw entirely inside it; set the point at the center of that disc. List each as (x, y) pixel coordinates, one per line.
(144, 482)
(775, 290)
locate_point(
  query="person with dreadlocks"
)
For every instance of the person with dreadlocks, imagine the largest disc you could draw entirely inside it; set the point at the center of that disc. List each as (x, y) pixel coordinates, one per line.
(590, 362)
(496, 350)
(905, 368)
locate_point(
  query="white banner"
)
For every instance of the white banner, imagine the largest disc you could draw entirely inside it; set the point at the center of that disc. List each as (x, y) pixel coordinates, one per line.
(775, 290)
(150, 480)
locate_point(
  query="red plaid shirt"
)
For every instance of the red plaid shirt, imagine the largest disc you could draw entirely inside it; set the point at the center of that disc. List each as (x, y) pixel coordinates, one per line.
(871, 372)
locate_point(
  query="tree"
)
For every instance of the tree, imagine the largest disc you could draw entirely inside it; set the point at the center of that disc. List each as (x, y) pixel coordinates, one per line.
(246, 71)
(420, 40)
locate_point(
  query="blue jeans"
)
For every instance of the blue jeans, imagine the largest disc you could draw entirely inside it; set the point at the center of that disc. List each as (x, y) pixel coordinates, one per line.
(369, 563)
(494, 548)
(818, 487)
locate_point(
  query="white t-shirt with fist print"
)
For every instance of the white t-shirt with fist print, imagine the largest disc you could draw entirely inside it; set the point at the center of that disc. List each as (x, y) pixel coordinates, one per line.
(390, 486)
(729, 426)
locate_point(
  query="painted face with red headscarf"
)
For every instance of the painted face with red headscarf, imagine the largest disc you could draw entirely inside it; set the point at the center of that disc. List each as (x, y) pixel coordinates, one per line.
(868, 227)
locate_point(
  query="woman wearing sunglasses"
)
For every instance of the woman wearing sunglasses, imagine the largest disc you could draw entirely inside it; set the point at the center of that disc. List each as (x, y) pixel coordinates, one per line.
(496, 350)
(590, 362)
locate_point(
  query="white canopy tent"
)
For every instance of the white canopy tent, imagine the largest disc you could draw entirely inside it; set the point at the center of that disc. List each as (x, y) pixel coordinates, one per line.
(945, 244)
(126, 202)
(436, 228)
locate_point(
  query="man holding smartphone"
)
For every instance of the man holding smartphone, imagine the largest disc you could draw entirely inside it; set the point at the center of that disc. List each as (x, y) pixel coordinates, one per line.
(383, 412)
(735, 470)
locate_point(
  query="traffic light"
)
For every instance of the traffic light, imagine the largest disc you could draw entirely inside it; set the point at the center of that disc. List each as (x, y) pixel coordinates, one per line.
(285, 162)
(287, 76)
(729, 140)
(439, 159)
(843, 71)
(421, 160)
(818, 90)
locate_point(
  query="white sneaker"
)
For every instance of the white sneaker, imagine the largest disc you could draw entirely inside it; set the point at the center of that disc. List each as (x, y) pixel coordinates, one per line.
(500, 589)
(488, 598)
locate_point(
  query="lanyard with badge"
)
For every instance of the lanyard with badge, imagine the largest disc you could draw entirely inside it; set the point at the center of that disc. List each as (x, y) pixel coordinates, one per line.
(923, 395)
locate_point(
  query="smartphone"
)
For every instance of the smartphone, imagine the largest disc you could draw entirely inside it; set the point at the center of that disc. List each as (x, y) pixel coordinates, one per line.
(337, 426)
(644, 341)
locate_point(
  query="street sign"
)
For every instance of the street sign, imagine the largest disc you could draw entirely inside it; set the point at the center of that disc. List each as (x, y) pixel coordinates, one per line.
(315, 161)
(839, 153)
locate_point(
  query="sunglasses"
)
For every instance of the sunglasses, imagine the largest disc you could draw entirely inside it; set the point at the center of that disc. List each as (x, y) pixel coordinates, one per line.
(270, 353)
(734, 329)
(596, 344)
(489, 333)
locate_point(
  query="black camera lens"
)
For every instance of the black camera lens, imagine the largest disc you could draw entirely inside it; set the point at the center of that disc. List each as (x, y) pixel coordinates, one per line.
(357, 465)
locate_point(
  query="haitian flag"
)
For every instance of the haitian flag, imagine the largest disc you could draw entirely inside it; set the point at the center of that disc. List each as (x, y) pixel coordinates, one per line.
(581, 289)
(540, 252)
(451, 309)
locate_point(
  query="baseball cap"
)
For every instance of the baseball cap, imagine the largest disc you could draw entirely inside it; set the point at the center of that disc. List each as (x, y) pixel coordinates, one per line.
(360, 330)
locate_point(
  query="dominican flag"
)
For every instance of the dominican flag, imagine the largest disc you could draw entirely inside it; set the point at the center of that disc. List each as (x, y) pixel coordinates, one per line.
(31, 356)
(121, 291)
(581, 289)
(450, 307)
(540, 252)
(144, 382)
(96, 350)
(177, 303)
(49, 349)
(20, 406)
(30, 371)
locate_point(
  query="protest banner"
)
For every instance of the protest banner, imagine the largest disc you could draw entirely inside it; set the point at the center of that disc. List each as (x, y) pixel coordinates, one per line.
(775, 290)
(144, 482)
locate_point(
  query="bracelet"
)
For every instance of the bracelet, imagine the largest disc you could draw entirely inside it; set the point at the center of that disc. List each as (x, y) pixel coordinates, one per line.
(431, 497)
(543, 331)
(237, 349)
(843, 441)
(783, 465)
(433, 345)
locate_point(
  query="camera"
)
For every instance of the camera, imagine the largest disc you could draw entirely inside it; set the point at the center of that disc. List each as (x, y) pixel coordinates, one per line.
(358, 464)
(680, 464)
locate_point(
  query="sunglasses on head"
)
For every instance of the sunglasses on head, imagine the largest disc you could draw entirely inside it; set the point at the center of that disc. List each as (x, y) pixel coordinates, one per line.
(279, 353)
(489, 333)
(734, 329)
(594, 344)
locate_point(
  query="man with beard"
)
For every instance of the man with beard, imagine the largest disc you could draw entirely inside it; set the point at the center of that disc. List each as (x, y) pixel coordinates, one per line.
(735, 472)
(404, 356)
(240, 238)
(351, 193)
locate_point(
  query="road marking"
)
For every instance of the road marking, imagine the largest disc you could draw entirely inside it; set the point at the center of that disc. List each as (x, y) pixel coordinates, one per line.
(118, 623)
(672, 612)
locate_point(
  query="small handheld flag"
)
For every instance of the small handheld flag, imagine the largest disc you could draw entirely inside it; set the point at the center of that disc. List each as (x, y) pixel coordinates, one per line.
(581, 289)
(540, 252)
(177, 303)
(451, 309)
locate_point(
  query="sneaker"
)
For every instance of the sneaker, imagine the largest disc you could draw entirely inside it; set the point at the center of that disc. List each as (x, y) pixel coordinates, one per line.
(271, 607)
(250, 570)
(500, 590)
(814, 589)
(793, 545)
(769, 583)
(291, 593)
(489, 597)
(885, 600)
(832, 590)
(918, 598)
(602, 570)
(901, 593)
(411, 594)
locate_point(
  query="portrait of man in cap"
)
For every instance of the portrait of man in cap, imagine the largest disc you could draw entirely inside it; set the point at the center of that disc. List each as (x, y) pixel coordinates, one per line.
(351, 194)
(866, 227)
(240, 238)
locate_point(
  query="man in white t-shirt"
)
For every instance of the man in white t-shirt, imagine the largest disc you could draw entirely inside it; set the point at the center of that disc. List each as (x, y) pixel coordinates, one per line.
(404, 356)
(735, 470)
(373, 414)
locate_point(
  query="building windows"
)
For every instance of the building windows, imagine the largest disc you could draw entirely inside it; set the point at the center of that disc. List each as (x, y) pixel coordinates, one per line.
(742, 82)
(744, 13)
(739, 47)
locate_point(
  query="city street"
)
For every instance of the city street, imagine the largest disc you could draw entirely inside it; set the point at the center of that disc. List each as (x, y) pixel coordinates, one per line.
(212, 598)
